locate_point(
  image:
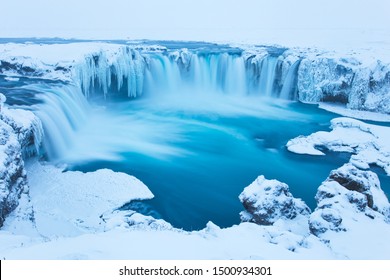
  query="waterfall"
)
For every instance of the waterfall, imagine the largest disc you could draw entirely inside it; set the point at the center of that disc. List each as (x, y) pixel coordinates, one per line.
(63, 111)
(135, 73)
(68, 118)
(290, 89)
(267, 75)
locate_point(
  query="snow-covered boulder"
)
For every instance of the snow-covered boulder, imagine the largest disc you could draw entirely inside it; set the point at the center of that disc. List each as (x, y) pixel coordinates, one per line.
(267, 201)
(27, 127)
(347, 194)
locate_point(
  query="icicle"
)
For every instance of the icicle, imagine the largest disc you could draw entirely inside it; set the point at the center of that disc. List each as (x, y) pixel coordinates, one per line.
(135, 72)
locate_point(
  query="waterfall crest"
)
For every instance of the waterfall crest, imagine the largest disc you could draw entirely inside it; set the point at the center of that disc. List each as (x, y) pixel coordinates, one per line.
(133, 73)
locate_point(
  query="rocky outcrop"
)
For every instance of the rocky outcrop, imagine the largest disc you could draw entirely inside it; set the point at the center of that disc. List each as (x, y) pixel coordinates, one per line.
(346, 80)
(267, 201)
(18, 129)
(27, 127)
(12, 173)
(325, 79)
(347, 193)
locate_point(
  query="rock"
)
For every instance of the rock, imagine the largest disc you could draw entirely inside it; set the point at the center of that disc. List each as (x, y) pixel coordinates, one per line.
(27, 127)
(353, 179)
(12, 174)
(20, 133)
(348, 192)
(323, 78)
(267, 201)
(325, 219)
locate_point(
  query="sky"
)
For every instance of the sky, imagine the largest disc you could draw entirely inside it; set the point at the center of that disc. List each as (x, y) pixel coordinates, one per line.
(186, 19)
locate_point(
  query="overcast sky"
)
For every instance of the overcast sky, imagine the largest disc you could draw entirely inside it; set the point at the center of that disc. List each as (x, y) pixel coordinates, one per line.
(175, 18)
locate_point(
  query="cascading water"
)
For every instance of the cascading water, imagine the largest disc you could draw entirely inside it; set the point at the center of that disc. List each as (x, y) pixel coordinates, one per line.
(63, 111)
(290, 89)
(137, 73)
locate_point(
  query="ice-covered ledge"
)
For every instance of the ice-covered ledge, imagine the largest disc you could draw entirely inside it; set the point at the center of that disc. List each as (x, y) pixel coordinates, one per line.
(369, 144)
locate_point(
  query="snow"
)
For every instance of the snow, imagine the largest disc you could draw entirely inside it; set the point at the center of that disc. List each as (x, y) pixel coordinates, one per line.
(368, 143)
(45, 58)
(69, 192)
(360, 115)
(346, 217)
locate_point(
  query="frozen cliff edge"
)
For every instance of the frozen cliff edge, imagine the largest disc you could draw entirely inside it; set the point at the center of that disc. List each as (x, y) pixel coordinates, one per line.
(20, 132)
(359, 80)
(359, 84)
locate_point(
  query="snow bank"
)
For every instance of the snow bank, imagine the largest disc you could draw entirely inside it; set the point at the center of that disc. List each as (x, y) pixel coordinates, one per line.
(368, 143)
(50, 61)
(69, 203)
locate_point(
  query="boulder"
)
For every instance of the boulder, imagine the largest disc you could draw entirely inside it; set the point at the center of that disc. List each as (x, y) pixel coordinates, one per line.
(267, 201)
(346, 193)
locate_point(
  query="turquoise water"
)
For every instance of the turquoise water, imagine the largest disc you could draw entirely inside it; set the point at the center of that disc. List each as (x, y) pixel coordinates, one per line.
(197, 155)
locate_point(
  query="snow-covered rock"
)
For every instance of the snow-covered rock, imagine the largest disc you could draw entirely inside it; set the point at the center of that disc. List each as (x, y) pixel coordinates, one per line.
(347, 194)
(267, 201)
(19, 131)
(325, 79)
(134, 220)
(12, 174)
(27, 127)
(360, 85)
(368, 143)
